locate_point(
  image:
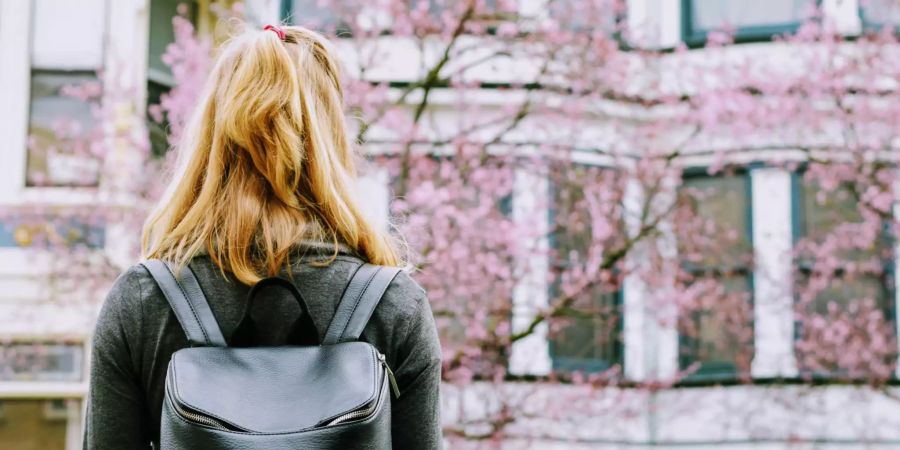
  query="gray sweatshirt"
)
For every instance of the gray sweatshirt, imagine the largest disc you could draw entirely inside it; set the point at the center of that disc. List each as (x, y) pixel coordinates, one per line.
(137, 333)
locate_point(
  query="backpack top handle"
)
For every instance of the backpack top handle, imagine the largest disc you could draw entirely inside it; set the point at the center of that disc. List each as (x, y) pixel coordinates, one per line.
(302, 332)
(188, 302)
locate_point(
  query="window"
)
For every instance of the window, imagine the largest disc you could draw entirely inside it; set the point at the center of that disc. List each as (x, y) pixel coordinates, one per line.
(41, 362)
(159, 75)
(463, 267)
(64, 85)
(861, 273)
(341, 17)
(879, 13)
(581, 16)
(590, 341)
(587, 335)
(714, 243)
(313, 14)
(162, 33)
(483, 10)
(749, 19)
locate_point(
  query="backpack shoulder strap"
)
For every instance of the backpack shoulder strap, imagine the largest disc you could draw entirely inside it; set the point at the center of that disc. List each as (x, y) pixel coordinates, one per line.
(359, 300)
(188, 303)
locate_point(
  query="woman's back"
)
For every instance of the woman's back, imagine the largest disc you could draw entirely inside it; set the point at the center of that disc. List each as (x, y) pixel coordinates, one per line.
(265, 164)
(137, 333)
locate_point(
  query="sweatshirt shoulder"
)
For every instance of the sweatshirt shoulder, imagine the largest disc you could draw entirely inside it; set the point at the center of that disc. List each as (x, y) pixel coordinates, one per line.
(127, 292)
(414, 337)
(405, 294)
(119, 323)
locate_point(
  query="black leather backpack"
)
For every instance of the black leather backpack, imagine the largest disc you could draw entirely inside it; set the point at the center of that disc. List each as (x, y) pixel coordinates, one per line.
(329, 395)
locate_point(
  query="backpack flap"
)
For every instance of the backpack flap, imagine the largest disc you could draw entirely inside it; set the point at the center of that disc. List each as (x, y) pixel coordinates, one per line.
(277, 389)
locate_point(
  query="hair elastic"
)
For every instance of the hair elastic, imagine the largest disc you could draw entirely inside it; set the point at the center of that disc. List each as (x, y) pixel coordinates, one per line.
(277, 31)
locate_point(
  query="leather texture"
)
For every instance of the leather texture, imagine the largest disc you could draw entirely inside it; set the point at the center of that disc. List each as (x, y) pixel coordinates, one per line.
(187, 300)
(275, 389)
(373, 433)
(273, 398)
(359, 300)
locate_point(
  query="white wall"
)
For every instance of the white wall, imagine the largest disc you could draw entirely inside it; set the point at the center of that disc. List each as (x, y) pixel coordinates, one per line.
(737, 417)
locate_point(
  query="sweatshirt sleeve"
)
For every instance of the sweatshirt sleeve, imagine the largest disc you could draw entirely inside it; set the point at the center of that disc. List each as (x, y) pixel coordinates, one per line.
(415, 415)
(116, 407)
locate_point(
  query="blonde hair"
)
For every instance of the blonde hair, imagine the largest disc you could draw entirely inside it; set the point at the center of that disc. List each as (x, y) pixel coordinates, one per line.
(265, 163)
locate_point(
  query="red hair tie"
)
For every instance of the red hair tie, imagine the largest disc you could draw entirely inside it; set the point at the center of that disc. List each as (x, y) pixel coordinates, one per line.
(277, 31)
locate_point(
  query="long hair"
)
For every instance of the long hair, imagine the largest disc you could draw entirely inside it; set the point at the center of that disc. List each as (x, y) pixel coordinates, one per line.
(265, 163)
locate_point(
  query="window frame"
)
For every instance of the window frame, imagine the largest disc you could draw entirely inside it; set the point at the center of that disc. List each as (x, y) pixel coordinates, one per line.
(29, 24)
(504, 205)
(889, 265)
(587, 365)
(593, 365)
(161, 82)
(696, 37)
(717, 371)
(872, 26)
(286, 10)
(16, 43)
(57, 72)
(51, 349)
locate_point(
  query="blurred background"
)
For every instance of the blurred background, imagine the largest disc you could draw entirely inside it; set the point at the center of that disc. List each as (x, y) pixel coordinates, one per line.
(641, 223)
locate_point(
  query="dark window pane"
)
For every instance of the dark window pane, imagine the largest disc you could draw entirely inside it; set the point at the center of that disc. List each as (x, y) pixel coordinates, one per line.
(716, 251)
(587, 334)
(853, 296)
(162, 34)
(845, 291)
(823, 212)
(571, 219)
(724, 200)
(160, 79)
(60, 125)
(723, 339)
(850, 311)
(589, 339)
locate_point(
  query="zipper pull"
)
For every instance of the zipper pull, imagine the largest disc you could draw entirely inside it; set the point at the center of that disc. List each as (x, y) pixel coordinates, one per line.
(390, 375)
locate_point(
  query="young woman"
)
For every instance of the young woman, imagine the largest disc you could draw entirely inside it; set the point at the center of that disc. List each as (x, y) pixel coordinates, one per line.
(263, 189)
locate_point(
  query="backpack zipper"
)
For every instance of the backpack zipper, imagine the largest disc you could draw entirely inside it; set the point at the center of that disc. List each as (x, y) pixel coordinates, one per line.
(390, 374)
(358, 414)
(202, 420)
(197, 418)
(369, 410)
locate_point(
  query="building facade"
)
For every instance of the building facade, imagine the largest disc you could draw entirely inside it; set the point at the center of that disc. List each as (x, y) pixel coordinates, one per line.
(48, 44)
